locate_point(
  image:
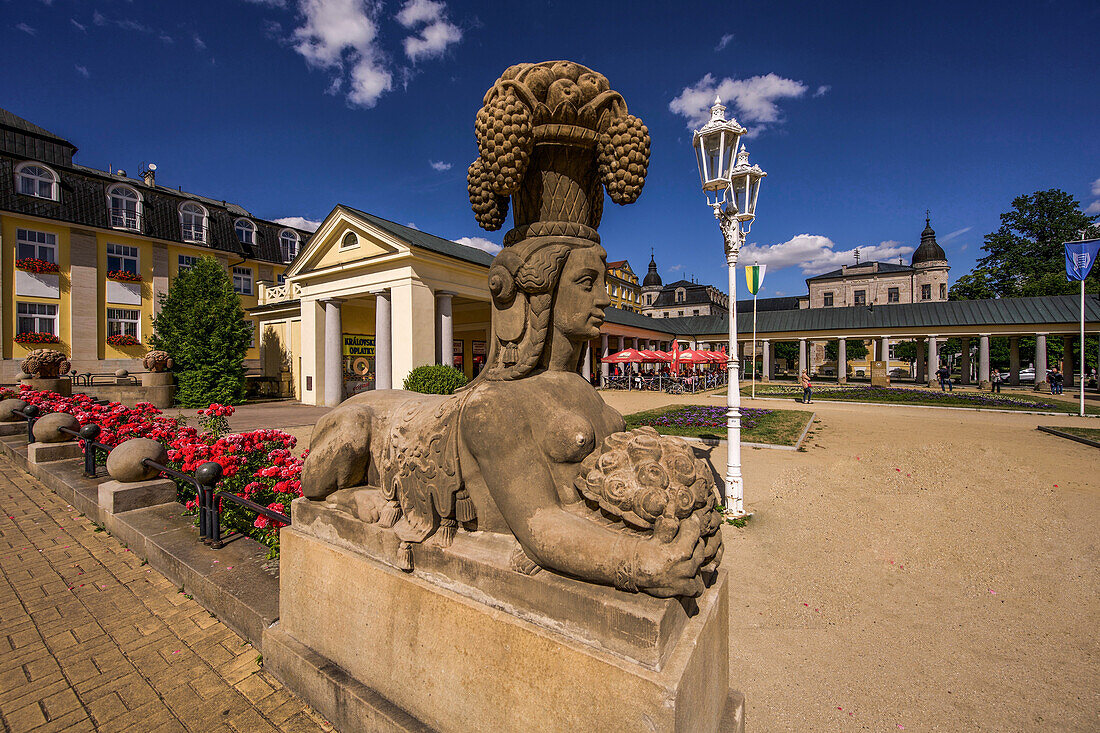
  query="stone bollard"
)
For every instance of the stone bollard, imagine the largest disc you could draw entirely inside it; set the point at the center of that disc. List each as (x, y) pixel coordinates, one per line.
(122, 376)
(135, 485)
(10, 423)
(50, 444)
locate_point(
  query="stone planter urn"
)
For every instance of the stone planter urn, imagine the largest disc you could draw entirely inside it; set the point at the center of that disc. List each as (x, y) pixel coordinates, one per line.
(44, 369)
(159, 382)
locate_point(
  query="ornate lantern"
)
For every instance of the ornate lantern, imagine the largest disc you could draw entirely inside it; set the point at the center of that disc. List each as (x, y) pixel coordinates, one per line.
(744, 188)
(715, 145)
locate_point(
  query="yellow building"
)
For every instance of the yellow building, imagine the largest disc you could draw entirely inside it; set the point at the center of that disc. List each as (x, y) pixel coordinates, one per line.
(86, 254)
(622, 286)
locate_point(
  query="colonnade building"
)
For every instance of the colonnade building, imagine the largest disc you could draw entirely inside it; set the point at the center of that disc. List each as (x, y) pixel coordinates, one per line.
(368, 299)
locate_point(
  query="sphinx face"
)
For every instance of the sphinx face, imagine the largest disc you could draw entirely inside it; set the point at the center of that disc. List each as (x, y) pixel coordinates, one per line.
(582, 294)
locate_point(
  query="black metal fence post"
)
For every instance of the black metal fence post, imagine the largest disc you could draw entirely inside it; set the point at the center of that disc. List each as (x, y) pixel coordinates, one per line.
(88, 435)
(208, 475)
(31, 412)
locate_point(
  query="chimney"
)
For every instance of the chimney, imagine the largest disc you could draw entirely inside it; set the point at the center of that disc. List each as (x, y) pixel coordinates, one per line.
(150, 175)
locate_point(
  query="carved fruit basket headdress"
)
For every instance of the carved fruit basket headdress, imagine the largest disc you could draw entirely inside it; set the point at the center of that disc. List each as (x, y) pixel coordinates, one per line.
(551, 136)
(45, 364)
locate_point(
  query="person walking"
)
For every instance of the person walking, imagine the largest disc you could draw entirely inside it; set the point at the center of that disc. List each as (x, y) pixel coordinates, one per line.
(807, 388)
(944, 376)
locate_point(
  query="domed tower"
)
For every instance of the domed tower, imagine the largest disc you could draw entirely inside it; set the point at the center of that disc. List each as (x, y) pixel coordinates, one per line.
(651, 284)
(930, 263)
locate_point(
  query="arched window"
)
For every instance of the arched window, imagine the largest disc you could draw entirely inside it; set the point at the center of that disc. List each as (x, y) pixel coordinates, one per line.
(350, 240)
(193, 222)
(246, 231)
(34, 179)
(288, 243)
(124, 207)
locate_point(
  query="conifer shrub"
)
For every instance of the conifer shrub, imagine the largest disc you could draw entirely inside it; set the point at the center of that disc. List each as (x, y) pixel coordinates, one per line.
(435, 379)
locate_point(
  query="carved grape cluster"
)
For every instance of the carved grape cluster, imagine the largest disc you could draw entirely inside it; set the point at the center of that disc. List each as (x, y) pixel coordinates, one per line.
(490, 210)
(624, 158)
(649, 481)
(503, 128)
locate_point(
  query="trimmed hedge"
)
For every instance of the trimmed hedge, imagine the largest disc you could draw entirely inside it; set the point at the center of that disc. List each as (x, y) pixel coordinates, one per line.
(435, 379)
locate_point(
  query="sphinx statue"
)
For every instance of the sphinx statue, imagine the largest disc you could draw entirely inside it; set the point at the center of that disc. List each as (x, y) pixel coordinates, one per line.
(529, 449)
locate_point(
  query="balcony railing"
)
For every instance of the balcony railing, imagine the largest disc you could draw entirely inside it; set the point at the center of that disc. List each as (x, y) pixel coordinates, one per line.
(193, 233)
(279, 293)
(125, 219)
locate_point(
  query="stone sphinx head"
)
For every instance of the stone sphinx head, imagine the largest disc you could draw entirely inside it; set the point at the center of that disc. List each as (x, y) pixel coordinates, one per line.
(45, 364)
(551, 136)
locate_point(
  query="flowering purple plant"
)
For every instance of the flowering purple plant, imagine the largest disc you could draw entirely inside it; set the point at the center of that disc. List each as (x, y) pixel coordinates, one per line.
(697, 416)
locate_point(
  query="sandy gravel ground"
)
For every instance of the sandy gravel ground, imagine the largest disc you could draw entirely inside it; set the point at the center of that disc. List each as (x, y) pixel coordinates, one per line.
(916, 569)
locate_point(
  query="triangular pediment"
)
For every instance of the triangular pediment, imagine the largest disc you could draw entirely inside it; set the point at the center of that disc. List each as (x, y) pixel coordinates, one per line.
(345, 239)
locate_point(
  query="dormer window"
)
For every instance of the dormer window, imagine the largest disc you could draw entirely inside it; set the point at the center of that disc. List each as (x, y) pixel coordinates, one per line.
(246, 231)
(124, 208)
(193, 222)
(34, 179)
(681, 295)
(288, 243)
(349, 241)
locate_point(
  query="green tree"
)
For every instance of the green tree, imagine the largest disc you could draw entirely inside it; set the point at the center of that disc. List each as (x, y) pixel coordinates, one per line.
(1025, 255)
(906, 350)
(854, 349)
(202, 326)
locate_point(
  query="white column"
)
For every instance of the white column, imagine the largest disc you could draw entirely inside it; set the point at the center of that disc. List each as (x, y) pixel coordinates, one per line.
(884, 352)
(334, 354)
(803, 362)
(445, 327)
(1040, 358)
(841, 360)
(383, 347)
(766, 358)
(933, 359)
(604, 366)
(983, 359)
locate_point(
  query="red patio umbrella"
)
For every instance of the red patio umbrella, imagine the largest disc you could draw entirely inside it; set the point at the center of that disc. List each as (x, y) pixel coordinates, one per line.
(626, 356)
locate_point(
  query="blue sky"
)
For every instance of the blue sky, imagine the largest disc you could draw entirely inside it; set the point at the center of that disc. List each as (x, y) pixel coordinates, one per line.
(862, 117)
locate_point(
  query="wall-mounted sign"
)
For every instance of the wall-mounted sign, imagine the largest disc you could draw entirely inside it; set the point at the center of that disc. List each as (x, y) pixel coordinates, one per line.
(479, 348)
(356, 344)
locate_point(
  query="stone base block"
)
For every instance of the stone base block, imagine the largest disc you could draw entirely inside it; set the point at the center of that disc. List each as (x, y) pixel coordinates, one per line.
(44, 452)
(62, 386)
(1043, 387)
(984, 385)
(375, 648)
(116, 497)
(13, 428)
(157, 379)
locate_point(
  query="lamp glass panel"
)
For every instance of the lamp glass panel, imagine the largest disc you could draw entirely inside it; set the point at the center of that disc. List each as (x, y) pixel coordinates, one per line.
(699, 162)
(711, 144)
(755, 193)
(729, 147)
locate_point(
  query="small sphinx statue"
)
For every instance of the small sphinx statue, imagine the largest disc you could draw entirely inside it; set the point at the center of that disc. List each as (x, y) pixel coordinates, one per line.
(529, 448)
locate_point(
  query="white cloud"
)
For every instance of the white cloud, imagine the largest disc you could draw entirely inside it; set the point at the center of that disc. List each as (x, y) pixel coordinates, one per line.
(479, 243)
(1096, 187)
(1093, 208)
(815, 254)
(298, 222)
(753, 99)
(439, 165)
(724, 42)
(79, 26)
(98, 18)
(200, 45)
(956, 233)
(26, 29)
(412, 225)
(132, 25)
(822, 90)
(675, 268)
(437, 33)
(268, 3)
(83, 71)
(165, 38)
(340, 36)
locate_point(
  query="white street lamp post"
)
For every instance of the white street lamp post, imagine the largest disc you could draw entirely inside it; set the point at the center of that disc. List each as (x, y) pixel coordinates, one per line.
(731, 191)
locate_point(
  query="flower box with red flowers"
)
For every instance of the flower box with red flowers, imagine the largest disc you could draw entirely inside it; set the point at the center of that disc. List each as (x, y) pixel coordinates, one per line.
(122, 339)
(122, 276)
(35, 265)
(33, 337)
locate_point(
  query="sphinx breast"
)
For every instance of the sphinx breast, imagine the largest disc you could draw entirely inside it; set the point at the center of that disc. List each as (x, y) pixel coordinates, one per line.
(569, 438)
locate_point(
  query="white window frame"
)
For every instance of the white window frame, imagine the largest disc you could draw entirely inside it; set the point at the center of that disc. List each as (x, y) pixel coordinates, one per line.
(121, 217)
(189, 211)
(354, 240)
(135, 321)
(289, 251)
(38, 317)
(48, 243)
(124, 252)
(185, 262)
(242, 280)
(48, 176)
(922, 291)
(245, 225)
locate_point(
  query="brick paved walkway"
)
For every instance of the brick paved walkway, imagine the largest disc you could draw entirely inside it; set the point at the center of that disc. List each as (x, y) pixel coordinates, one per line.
(92, 639)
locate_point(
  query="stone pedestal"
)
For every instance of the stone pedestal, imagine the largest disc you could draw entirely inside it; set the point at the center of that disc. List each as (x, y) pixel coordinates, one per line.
(45, 452)
(116, 496)
(880, 377)
(159, 388)
(62, 386)
(12, 428)
(463, 642)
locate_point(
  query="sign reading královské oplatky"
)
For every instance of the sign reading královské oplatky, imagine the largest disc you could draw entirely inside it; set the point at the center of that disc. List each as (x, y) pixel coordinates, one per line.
(357, 344)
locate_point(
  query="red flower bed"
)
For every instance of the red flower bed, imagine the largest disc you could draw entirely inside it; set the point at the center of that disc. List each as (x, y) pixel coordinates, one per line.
(33, 264)
(123, 276)
(122, 339)
(257, 465)
(35, 337)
